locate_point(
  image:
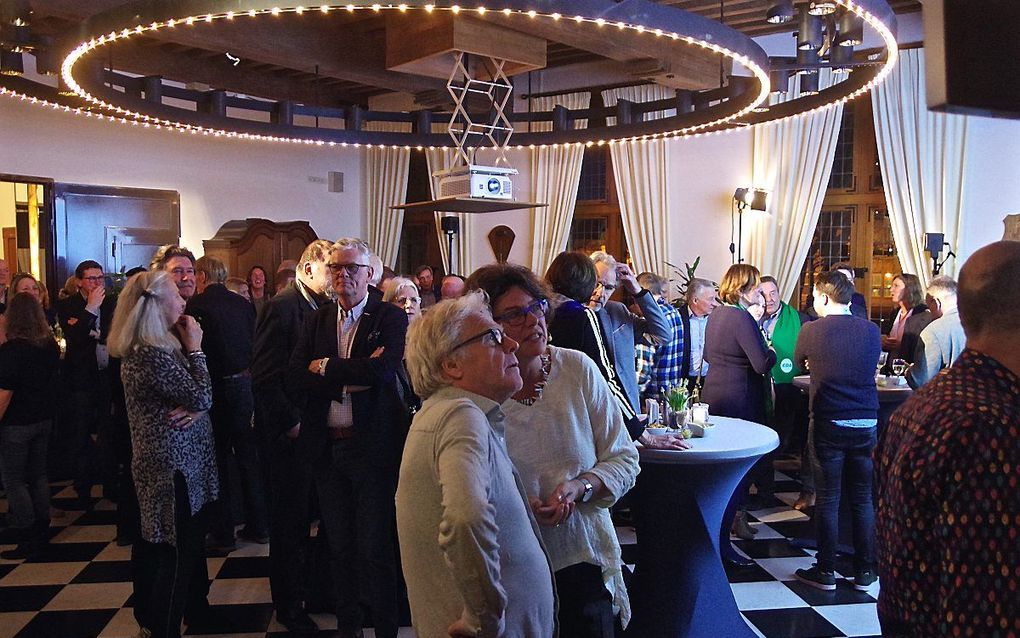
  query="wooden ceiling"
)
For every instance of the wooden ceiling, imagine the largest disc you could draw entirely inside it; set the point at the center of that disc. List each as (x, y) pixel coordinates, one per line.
(302, 59)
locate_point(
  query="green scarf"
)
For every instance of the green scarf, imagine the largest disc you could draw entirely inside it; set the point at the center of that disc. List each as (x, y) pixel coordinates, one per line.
(784, 340)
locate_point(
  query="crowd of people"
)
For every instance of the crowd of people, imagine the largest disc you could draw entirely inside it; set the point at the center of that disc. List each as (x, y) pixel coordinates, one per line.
(463, 441)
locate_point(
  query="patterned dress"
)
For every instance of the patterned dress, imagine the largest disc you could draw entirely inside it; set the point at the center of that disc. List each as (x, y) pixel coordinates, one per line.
(949, 504)
(155, 382)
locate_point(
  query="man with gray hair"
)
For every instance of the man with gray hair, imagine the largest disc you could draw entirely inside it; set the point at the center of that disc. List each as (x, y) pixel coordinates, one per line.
(623, 329)
(344, 367)
(375, 261)
(942, 340)
(471, 550)
(680, 359)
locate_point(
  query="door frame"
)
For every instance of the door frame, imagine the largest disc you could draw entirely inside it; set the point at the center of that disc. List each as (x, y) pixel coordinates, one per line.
(49, 205)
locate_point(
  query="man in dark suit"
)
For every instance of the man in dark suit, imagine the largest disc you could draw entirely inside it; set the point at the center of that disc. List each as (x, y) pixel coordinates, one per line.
(278, 421)
(624, 329)
(345, 366)
(85, 319)
(858, 306)
(228, 332)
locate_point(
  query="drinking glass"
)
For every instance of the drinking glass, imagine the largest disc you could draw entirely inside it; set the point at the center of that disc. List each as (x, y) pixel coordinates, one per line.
(899, 366)
(883, 358)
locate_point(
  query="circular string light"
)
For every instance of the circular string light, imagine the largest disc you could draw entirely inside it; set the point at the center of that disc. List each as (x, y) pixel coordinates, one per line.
(727, 122)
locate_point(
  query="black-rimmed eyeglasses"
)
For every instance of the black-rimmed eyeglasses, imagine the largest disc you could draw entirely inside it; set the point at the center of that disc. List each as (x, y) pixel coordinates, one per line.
(352, 269)
(495, 336)
(517, 316)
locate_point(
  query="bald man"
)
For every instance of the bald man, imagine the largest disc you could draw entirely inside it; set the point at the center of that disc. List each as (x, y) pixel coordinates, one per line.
(947, 500)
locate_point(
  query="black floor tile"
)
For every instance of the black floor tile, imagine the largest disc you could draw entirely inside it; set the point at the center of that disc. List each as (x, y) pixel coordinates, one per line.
(67, 624)
(7, 568)
(27, 597)
(800, 622)
(244, 567)
(69, 552)
(238, 619)
(629, 554)
(769, 548)
(750, 574)
(845, 594)
(97, 517)
(105, 572)
(788, 486)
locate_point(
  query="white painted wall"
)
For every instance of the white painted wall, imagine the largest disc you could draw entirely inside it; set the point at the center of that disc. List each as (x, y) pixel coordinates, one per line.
(218, 180)
(991, 181)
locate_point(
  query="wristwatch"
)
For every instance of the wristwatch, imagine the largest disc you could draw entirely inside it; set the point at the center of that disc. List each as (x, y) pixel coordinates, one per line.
(589, 489)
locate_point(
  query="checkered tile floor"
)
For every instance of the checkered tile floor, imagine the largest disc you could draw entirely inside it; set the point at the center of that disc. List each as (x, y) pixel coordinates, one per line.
(81, 586)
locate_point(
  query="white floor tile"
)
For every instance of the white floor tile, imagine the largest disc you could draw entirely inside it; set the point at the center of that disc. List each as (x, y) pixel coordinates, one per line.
(778, 514)
(770, 595)
(853, 620)
(765, 532)
(42, 574)
(12, 622)
(235, 591)
(783, 568)
(122, 624)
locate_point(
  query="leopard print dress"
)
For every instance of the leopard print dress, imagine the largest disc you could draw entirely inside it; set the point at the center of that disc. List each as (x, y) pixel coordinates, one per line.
(155, 382)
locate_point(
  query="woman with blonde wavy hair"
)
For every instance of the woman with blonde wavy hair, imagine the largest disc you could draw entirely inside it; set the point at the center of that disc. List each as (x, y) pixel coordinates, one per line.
(168, 393)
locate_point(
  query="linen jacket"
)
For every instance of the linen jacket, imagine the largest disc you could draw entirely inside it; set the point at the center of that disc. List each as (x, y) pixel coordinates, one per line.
(377, 410)
(623, 330)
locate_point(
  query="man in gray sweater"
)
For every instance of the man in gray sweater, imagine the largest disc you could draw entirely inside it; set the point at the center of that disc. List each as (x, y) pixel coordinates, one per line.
(471, 550)
(942, 340)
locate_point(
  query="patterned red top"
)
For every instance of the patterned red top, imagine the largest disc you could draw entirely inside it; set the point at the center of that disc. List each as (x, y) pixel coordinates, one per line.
(948, 524)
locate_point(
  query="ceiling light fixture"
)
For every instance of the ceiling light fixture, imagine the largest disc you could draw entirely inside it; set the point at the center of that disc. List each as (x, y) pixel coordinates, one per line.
(809, 30)
(823, 8)
(807, 56)
(11, 63)
(779, 79)
(809, 84)
(839, 57)
(850, 30)
(779, 12)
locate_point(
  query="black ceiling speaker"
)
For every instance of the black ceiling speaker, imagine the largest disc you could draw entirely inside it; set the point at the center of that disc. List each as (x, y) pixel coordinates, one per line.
(972, 57)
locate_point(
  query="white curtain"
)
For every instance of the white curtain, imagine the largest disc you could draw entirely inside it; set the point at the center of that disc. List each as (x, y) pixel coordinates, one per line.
(441, 159)
(573, 101)
(385, 171)
(555, 173)
(642, 172)
(922, 159)
(641, 93)
(792, 161)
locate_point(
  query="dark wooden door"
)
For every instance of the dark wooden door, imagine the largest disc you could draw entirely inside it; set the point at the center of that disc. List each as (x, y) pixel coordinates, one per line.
(118, 227)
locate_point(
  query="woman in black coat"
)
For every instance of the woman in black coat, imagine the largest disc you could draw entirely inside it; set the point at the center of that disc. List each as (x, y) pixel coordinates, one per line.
(739, 361)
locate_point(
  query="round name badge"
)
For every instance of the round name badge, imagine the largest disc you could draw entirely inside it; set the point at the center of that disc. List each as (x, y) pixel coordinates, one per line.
(786, 366)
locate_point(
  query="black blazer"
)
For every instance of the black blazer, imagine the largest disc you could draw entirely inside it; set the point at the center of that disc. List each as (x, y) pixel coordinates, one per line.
(228, 329)
(80, 367)
(276, 335)
(685, 361)
(378, 420)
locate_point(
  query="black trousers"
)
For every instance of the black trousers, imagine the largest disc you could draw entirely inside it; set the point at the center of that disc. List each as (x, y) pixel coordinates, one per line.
(291, 487)
(94, 461)
(356, 498)
(586, 606)
(172, 582)
(231, 416)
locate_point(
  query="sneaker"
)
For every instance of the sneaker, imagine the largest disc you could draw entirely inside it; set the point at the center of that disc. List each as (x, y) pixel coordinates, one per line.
(816, 578)
(865, 579)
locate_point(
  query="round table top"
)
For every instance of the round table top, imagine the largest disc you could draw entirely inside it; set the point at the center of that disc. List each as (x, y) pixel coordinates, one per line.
(885, 392)
(729, 440)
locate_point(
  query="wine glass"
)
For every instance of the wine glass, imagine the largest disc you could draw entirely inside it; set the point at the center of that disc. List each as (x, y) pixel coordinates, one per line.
(883, 358)
(899, 366)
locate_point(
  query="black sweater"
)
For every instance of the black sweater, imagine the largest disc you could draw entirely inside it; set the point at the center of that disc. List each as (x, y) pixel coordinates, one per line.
(842, 351)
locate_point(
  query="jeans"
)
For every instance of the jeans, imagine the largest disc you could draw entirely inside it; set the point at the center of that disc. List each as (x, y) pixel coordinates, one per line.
(23, 467)
(231, 416)
(846, 449)
(809, 470)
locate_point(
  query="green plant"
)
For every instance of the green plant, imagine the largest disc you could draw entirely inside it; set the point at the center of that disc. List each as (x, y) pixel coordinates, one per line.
(678, 397)
(681, 278)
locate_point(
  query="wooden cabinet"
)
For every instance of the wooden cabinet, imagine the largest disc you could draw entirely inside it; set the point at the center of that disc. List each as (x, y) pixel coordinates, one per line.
(243, 243)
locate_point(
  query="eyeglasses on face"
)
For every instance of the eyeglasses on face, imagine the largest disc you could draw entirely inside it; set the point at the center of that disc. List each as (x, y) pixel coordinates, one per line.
(352, 269)
(94, 278)
(492, 337)
(517, 316)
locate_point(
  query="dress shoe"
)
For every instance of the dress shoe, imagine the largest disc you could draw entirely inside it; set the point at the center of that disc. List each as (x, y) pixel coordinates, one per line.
(297, 621)
(804, 501)
(741, 528)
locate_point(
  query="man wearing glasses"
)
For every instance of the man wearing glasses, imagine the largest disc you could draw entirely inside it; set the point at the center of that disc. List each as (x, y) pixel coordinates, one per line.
(344, 366)
(85, 319)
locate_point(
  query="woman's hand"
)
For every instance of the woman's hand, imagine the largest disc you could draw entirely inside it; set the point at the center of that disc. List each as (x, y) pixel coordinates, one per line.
(664, 442)
(889, 344)
(189, 332)
(552, 512)
(181, 419)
